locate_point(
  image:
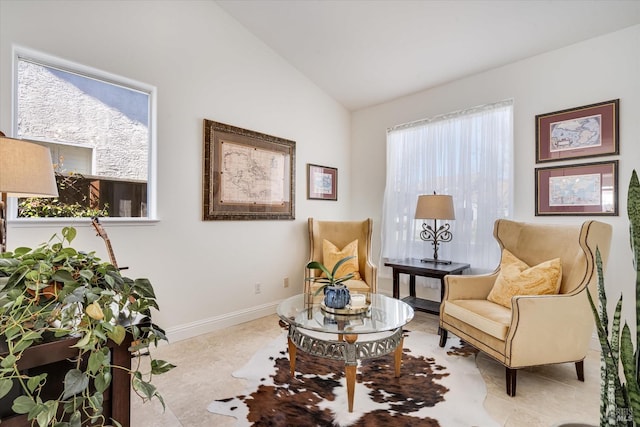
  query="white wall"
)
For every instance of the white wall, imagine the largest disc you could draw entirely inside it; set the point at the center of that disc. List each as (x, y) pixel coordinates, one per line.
(207, 66)
(204, 65)
(596, 70)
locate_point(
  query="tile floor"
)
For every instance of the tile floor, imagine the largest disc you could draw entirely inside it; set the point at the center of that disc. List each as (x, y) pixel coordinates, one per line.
(546, 396)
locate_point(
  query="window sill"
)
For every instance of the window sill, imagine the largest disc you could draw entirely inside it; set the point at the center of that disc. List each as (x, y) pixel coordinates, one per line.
(79, 222)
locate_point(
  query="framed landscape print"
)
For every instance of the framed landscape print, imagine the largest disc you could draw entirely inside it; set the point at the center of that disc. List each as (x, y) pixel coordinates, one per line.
(588, 131)
(322, 182)
(247, 175)
(584, 189)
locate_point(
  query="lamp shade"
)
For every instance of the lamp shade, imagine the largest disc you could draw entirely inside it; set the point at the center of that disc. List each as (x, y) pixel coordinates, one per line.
(26, 169)
(435, 206)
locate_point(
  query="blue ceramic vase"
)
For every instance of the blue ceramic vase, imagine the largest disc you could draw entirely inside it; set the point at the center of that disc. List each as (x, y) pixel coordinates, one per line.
(336, 296)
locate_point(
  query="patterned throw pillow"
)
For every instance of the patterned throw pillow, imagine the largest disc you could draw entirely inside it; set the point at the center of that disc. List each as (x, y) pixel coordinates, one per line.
(331, 254)
(517, 278)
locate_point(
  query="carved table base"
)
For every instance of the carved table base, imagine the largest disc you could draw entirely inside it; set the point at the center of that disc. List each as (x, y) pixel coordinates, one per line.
(348, 349)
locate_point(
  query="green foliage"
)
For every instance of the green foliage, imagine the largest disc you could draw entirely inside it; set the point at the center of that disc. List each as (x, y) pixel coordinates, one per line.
(72, 203)
(55, 291)
(620, 400)
(37, 207)
(329, 278)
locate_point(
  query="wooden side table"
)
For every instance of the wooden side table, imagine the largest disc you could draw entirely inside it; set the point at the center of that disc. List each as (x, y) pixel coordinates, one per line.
(414, 267)
(55, 358)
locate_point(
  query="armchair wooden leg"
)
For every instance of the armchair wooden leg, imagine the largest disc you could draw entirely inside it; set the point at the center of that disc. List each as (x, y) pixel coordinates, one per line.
(443, 337)
(511, 381)
(580, 370)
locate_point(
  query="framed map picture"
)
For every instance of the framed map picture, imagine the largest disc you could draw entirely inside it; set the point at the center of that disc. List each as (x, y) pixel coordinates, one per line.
(322, 182)
(247, 175)
(583, 189)
(588, 131)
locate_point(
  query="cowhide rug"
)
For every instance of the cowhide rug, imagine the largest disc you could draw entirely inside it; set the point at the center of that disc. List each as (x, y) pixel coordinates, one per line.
(437, 387)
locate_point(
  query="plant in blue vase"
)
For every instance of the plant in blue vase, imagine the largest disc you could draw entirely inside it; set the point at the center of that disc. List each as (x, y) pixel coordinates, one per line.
(336, 293)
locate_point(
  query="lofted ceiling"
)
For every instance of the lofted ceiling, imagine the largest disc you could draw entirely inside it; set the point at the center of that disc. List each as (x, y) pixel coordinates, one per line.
(365, 52)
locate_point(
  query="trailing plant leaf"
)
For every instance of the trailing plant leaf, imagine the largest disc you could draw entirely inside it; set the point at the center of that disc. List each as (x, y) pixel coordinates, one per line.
(160, 367)
(54, 290)
(75, 382)
(117, 334)
(47, 411)
(102, 381)
(5, 387)
(22, 405)
(96, 361)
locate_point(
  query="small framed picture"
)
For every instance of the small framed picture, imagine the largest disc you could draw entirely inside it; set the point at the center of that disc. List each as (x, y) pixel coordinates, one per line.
(588, 131)
(582, 189)
(322, 182)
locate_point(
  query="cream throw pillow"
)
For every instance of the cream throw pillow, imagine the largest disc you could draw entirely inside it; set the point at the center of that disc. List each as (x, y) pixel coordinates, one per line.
(517, 278)
(331, 254)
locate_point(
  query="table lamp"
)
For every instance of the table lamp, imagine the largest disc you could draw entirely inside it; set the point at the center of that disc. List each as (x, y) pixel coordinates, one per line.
(435, 207)
(26, 170)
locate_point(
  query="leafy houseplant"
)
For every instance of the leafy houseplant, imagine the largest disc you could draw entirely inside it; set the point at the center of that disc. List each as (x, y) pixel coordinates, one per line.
(620, 395)
(56, 292)
(336, 292)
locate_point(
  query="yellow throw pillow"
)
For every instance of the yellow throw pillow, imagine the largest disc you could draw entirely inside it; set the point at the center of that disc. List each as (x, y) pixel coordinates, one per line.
(517, 278)
(331, 255)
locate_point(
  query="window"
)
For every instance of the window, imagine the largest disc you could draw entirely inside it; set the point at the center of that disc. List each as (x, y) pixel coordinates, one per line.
(467, 155)
(99, 129)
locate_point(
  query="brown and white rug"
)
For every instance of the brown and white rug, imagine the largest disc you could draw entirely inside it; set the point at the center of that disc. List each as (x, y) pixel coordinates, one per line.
(437, 387)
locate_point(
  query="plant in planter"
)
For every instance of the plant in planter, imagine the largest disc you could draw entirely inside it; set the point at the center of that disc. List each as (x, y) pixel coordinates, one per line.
(336, 293)
(620, 394)
(55, 292)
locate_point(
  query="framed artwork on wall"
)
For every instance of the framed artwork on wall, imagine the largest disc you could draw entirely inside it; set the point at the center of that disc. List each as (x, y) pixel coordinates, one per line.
(247, 175)
(581, 189)
(587, 131)
(322, 182)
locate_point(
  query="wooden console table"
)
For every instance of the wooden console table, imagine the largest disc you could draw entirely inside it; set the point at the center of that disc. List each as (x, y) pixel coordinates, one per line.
(52, 358)
(414, 267)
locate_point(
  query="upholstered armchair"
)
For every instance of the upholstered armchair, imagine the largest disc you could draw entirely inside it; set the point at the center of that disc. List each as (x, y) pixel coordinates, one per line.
(336, 239)
(536, 329)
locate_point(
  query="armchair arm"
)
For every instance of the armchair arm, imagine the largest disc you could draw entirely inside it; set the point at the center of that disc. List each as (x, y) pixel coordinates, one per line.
(468, 287)
(370, 276)
(549, 329)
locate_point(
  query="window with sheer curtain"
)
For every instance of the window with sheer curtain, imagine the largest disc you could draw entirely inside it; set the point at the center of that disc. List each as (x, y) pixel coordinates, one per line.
(466, 154)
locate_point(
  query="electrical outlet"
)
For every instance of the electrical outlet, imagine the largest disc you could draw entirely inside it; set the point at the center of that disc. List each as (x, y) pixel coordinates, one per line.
(257, 288)
(285, 282)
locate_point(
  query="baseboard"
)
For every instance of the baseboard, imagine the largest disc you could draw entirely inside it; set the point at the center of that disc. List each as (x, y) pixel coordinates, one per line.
(193, 329)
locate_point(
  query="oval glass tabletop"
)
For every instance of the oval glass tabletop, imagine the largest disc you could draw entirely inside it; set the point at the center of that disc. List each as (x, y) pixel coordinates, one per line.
(384, 314)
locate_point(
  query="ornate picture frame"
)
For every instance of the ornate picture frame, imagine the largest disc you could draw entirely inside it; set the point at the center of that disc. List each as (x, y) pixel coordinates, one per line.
(587, 131)
(322, 182)
(580, 189)
(247, 175)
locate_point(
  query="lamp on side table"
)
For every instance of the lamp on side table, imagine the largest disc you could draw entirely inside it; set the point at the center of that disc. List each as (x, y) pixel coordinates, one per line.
(26, 170)
(435, 207)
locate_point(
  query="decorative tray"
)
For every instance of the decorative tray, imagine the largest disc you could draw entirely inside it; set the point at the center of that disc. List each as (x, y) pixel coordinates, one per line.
(348, 310)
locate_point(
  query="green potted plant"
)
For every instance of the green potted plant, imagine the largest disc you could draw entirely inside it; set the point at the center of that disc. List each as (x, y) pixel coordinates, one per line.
(620, 393)
(336, 293)
(54, 292)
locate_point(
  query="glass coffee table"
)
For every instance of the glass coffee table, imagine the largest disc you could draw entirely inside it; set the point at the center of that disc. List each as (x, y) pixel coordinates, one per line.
(375, 332)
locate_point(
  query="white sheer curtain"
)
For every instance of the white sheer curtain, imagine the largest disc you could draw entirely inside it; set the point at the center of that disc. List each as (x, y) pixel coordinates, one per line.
(468, 155)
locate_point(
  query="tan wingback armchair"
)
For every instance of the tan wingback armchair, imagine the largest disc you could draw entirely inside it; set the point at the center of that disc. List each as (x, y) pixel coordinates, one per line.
(341, 233)
(540, 329)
